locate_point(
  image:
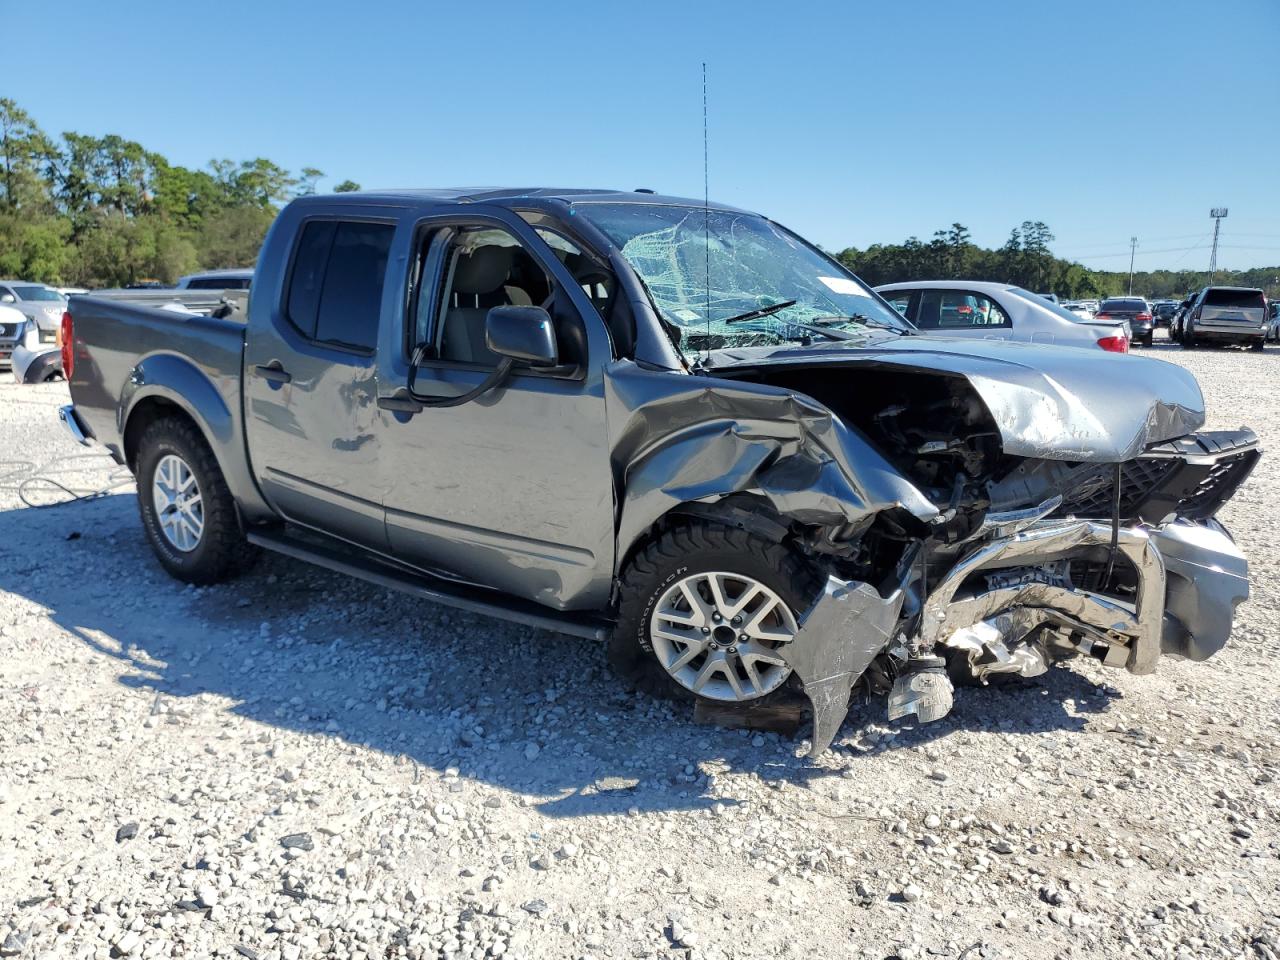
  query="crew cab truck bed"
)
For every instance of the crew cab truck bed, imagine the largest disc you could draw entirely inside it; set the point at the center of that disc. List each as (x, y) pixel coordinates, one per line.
(531, 403)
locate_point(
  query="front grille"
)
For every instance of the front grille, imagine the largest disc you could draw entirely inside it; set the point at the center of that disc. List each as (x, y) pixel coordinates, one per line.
(1093, 497)
(1218, 485)
(1191, 477)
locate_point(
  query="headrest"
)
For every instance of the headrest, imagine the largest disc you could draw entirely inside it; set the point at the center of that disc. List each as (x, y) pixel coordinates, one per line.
(482, 270)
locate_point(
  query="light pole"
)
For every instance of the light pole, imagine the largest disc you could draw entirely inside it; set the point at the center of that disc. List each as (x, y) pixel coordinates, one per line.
(1133, 246)
(1219, 214)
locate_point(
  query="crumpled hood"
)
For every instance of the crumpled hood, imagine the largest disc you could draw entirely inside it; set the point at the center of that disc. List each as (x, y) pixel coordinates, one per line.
(1057, 403)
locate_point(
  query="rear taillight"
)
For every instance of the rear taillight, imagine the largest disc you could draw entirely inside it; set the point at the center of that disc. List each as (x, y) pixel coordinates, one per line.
(1102, 316)
(66, 341)
(1118, 344)
(1143, 316)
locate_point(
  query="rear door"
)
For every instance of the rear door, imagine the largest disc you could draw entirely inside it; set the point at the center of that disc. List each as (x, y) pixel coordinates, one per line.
(310, 375)
(514, 489)
(1244, 308)
(963, 313)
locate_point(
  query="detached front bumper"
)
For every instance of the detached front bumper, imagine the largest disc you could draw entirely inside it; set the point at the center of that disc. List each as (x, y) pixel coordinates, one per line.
(1189, 580)
(1009, 607)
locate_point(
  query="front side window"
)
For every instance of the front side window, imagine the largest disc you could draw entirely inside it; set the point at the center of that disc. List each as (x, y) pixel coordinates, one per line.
(484, 267)
(958, 309)
(704, 269)
(335, 289)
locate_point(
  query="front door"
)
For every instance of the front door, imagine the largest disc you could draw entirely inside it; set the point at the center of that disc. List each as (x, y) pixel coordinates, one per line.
(311, 380)
(511, 490)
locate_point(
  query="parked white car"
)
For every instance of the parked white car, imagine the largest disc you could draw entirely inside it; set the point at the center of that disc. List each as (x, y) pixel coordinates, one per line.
(997, 311)
(35, 358)
(35, 301)
(12, 324)
(1080, 309)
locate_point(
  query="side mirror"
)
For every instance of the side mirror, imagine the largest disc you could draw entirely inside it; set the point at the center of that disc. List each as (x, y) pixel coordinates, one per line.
(8, 298)
(522, 333)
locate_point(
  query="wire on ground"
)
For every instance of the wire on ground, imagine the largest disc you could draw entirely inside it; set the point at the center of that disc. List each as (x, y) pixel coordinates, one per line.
(41, 486)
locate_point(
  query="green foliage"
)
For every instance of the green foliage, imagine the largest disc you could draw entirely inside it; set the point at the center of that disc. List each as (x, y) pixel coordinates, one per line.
(105, 211)
(1025, 260)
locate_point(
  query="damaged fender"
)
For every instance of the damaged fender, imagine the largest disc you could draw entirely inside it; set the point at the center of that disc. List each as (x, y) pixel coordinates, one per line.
(838, 638)
(698, 439)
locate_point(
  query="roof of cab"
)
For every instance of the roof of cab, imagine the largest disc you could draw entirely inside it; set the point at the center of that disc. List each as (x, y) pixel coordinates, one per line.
(508, 197)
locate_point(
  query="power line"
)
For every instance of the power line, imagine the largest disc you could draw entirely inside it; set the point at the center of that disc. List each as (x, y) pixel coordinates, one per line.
(1145, 252)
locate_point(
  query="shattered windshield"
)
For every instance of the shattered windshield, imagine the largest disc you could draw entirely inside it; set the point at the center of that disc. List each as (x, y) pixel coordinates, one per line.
(728, 279)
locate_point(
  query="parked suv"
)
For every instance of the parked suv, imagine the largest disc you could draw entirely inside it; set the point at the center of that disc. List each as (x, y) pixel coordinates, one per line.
(1227, 315)
(676, 427)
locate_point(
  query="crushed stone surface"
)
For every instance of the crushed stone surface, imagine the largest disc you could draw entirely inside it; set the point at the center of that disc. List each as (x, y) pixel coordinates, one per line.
(298, 764)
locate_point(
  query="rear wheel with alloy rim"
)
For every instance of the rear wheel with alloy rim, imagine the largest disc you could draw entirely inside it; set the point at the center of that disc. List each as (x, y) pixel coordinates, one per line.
(187, 510)
(178, 502)
(705, 611)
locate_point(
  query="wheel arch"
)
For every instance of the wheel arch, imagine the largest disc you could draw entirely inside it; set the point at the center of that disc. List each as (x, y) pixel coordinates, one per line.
(165, 385)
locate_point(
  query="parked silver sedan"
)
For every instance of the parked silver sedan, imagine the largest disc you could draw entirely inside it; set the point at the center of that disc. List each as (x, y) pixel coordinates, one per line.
(998, 311)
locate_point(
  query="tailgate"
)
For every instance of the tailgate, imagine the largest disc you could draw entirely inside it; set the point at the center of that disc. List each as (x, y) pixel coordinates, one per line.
(1251, 316)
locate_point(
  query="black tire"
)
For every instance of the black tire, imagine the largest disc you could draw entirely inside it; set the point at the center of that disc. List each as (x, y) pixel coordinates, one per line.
(1258, 345)
(691, 547)
(1149, 339)
(222, 551)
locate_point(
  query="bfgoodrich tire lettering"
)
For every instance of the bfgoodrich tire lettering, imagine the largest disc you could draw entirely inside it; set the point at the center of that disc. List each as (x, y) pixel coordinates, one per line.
(221, 551)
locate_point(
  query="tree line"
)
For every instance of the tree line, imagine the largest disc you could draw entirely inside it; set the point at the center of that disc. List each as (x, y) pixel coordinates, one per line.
(82, 210)
(1025, 260)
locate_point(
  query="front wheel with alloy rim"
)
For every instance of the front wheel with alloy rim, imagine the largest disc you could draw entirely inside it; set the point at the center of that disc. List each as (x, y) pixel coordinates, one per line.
(705, 610)
(186, 508)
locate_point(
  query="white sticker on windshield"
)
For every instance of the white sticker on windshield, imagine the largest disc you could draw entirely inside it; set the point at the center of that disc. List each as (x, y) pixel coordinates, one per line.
(843, 285)
(686, 315)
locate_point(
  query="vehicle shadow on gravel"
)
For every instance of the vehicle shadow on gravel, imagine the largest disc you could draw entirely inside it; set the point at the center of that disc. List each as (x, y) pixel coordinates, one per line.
(300, 649)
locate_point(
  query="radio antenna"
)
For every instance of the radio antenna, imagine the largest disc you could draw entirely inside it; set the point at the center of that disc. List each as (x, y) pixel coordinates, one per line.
(706, 212)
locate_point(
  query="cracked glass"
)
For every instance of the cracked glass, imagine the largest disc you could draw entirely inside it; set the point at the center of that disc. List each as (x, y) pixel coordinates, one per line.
(724, 278)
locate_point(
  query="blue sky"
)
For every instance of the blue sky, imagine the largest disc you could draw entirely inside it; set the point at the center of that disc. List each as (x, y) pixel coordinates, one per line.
(849, 122)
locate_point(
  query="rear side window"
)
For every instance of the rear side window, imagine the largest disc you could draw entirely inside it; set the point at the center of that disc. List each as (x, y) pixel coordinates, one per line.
(1125, 303)
(1233, 298)
(335, 290)
(949, 309)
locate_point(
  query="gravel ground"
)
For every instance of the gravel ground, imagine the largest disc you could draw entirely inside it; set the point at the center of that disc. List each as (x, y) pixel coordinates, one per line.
(302, 765)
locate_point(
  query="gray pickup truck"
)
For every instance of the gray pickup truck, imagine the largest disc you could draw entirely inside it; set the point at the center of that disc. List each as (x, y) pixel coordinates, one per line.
(675, 427)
